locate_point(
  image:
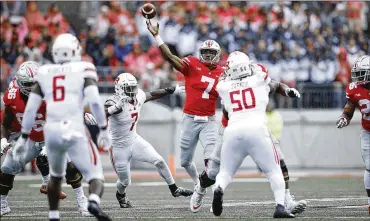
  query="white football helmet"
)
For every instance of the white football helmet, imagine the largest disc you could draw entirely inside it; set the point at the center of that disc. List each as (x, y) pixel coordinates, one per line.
(360, 72)
(66, 47)
(238, 65)
(126, 85)
(25, 76)
(210, 52)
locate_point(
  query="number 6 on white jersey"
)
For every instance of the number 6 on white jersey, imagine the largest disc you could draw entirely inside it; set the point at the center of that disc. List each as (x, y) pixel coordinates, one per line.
(210, 82)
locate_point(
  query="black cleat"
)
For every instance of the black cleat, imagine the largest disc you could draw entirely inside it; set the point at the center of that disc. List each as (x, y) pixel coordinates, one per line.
(182, 192)
(94, 209)
(217, 201)
(280, 212)
(123, 201)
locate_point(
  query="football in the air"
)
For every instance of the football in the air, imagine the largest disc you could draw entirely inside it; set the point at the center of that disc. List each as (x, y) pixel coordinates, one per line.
(148, 10)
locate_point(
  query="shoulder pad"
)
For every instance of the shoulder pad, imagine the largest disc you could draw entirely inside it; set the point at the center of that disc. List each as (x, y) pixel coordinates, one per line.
(141, 96)
(189, 59)
(89, 70)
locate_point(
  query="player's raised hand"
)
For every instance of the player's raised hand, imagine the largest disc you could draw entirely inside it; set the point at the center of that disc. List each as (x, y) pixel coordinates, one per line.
(5, 145)
(342, 122)
(104, 139)
(179, 89)
(18, 149)
(153, 29)
(292, 93)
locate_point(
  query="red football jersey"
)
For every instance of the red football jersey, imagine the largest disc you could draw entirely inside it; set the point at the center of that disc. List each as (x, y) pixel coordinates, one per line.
(360, 96)
(13, 101)
(200, 87)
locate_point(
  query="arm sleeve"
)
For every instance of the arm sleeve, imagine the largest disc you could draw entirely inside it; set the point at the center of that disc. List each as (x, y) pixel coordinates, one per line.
(33, 104)
(92, 95)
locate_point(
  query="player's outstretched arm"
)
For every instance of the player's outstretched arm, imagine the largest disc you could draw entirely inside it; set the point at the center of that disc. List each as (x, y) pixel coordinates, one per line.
(175, 61)
(347, 114)
(283, 89)
(33, 104)
(29, 115)
(153, 95)
(91, 93)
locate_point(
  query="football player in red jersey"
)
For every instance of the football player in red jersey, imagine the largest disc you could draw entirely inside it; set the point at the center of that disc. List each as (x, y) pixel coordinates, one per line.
(358, 95)
(199, 122)
(15, 99)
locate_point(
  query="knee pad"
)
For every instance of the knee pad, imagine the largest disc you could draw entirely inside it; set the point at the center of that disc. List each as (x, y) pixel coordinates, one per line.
(43, 165)
(123, 174)
(205, 181)
(185, 163)
(284, 170)
(6, 183)
(73, 176)
(160, 163)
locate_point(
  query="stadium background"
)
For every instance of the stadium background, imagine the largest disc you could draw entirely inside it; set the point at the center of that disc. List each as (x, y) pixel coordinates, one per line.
(308, 45)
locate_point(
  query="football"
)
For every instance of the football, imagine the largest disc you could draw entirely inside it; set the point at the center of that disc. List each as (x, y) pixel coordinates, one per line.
(148, 10)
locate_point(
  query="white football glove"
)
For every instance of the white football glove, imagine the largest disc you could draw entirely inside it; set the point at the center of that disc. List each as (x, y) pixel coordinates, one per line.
(292, 93)
(104, 139)
(43, 152)
(90, 120)
(179, 89)
(4, 145)
(19, 149)
(342, 122)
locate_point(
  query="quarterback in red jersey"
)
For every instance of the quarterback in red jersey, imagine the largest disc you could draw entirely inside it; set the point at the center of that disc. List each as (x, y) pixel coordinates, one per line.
(199, 123)
(15, 99)
(358, 95)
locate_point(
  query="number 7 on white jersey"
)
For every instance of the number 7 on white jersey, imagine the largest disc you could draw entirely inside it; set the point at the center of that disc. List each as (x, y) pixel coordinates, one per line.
(210, 82)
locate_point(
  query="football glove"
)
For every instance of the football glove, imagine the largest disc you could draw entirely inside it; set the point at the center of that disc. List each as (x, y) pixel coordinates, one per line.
(342, 122)
(4, 145)
(19, 149)
(292, 93)
(90, 120)
(104, 139)
(176, 89)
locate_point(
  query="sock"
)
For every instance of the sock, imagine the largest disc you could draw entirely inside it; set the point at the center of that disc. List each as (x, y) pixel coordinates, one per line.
(193, 173)
(173, 187)
(3, 197)
(278, 186)
(223, 179)
(121, 189)
(54, 214)
(79, 191)
(94, 197)
(165, 172)
(45, 180)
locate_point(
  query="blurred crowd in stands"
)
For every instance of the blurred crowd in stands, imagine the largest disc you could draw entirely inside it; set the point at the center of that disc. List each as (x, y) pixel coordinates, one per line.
(298, 41)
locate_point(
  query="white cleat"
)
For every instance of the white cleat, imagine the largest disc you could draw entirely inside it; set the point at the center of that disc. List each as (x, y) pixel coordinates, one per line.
(196, 200)
(5, 209)
(82, 206)
(295, 207)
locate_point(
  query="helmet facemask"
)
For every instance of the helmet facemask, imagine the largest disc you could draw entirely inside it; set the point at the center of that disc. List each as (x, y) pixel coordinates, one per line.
(360, 76)
(209, 55)
(25, 86)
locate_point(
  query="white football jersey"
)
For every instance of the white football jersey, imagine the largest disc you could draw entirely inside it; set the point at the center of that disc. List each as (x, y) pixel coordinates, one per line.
(62, 86)
(122, 126)
(246, 99)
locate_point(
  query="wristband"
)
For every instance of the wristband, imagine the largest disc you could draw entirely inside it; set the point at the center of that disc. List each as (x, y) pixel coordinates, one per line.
(159, 40)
